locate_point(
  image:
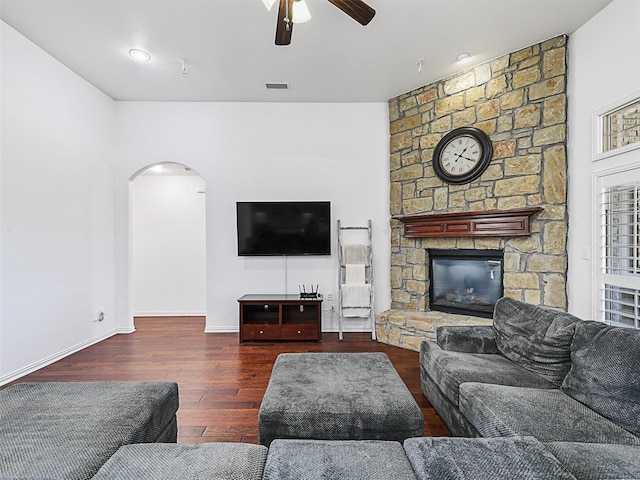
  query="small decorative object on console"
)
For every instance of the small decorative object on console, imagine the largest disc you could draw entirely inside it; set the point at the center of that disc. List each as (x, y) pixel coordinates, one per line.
(312, 294)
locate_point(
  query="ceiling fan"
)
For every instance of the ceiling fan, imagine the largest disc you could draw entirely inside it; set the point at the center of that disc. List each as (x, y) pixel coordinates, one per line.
(356, 9)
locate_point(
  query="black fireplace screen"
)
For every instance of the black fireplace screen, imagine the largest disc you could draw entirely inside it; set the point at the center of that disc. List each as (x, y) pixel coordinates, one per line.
(467, 282)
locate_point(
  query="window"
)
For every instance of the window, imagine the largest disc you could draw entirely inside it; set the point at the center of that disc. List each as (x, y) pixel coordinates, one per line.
(617, 282)
(621, 306)
(621, 127)
(620, 251)
(620, 236)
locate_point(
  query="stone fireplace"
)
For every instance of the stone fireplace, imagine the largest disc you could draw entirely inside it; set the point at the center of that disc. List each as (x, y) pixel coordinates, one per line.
(519, 100)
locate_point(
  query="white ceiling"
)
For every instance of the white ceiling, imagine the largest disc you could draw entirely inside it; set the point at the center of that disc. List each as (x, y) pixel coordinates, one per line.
(229, 49)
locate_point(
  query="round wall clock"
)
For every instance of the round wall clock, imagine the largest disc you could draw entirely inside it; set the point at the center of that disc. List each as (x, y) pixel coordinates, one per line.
(462, 155)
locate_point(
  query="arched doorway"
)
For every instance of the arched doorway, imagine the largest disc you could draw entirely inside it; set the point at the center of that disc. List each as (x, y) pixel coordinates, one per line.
(168, 241)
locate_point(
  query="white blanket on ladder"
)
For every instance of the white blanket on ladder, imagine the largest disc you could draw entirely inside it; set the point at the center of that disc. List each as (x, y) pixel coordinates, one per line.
(355, 254)
(354, 274)
(355, 312)
(356, 300)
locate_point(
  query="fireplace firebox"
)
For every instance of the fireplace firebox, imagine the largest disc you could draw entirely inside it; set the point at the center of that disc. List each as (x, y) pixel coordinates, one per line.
(466, 282)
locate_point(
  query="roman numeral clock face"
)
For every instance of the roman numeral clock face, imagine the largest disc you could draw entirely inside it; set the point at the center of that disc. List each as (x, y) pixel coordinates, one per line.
(462, 155)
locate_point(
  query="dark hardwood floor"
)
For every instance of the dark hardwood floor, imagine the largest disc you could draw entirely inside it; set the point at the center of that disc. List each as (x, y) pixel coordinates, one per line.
(221, 382)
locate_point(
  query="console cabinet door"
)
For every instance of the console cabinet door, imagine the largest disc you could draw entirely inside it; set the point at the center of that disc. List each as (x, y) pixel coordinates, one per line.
(261, 332)
(299, 332)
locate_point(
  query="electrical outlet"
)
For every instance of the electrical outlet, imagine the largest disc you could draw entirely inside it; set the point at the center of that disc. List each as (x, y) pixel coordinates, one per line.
(330, 297)
(100, 315)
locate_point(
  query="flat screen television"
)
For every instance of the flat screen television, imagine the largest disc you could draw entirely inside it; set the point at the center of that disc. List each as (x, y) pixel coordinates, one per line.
(284, 228)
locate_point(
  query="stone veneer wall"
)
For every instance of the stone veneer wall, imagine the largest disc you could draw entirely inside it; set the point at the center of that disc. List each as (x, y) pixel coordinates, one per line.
(520, 101)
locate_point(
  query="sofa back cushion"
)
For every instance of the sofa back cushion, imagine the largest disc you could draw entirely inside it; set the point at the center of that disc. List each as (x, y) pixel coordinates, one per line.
(605, 372)
(536, 338)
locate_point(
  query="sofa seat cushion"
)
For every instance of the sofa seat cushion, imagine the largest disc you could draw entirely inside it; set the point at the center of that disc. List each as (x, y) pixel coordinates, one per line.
(326, 459)
(548, 415)
(524, 458)
(605, 372)
(598, 461)
(223, 461)
(536, 338)
(449, 369)
(68, 430)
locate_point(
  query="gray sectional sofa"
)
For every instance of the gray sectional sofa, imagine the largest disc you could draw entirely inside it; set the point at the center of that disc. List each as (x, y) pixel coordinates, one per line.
(573, 385)
(68, 430)
(540, 394)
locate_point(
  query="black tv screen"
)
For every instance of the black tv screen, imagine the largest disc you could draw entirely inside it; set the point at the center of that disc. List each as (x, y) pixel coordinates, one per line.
(284, 228)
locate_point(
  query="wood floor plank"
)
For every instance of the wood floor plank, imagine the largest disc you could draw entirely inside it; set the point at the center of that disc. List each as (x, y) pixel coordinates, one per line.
(221, 382)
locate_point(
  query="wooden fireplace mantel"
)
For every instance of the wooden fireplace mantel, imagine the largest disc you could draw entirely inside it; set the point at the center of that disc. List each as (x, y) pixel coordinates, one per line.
(493, 223)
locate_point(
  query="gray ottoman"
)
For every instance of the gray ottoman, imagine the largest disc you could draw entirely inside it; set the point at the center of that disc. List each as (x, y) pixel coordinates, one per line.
(207, 461)
(346, 459)
(337, 396)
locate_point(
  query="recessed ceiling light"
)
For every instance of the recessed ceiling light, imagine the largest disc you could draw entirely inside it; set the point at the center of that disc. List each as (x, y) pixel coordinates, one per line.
(139, 55)
(463, 56)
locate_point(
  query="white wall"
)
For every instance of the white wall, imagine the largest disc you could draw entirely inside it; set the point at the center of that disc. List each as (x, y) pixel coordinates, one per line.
(68, 153)
(604, 68)
(168, 249)
(254, 151)
(56, 198)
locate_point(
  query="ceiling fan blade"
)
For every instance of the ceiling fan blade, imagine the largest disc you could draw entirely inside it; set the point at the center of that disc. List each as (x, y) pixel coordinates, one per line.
(284, 27)
(356, 9)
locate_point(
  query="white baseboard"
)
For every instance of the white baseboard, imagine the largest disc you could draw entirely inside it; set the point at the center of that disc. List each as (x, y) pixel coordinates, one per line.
(15, 375)
(348, 330)
(221, 329)
(125, 330)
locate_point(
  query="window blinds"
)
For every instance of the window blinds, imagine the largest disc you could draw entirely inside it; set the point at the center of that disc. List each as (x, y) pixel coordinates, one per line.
(620, 247)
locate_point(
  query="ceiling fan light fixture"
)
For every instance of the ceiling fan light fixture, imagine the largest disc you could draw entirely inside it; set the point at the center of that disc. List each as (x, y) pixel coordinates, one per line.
(300, 11)
(139, 55)
(268, 3)
(291, 12)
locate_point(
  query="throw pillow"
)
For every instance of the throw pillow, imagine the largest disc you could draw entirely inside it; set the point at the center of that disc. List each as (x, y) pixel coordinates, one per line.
(536, 338)
(604, 372)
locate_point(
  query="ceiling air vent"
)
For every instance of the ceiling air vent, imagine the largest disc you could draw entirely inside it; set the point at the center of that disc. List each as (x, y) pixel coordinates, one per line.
(277, 85)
